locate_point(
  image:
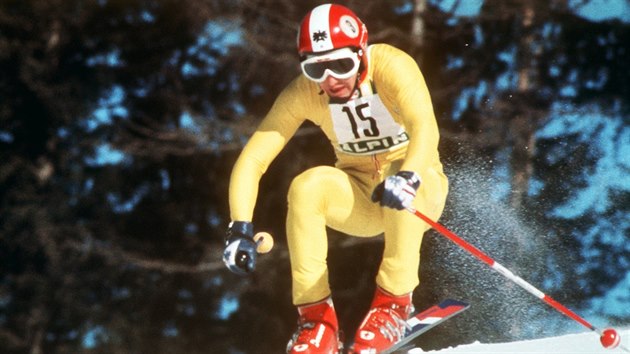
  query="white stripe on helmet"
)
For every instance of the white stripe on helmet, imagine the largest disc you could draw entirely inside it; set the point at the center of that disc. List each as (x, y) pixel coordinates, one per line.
(319, 29)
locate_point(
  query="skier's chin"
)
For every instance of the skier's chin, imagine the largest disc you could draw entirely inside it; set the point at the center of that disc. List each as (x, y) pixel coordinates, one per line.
(338, 92)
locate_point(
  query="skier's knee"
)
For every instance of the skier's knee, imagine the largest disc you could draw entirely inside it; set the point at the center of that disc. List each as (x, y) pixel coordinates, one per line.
(306, 187)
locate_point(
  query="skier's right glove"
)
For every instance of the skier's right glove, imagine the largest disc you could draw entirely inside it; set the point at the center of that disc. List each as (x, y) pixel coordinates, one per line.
(240, 249)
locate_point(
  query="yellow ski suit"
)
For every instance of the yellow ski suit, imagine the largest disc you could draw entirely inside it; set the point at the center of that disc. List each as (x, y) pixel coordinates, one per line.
(389, 127)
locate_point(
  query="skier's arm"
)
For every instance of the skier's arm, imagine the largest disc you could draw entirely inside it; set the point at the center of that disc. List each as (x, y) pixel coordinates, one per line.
(254, 160)
(270, 137)
(407, 88)
(265, 144)
(419, 119)
(409, 96)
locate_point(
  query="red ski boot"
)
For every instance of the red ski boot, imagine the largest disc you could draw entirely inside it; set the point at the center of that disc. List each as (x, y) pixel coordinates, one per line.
(318, 330)
(384, 324)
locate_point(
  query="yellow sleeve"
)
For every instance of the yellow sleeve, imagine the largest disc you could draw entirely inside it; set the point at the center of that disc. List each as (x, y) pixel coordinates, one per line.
(276, 129)
(399, 78)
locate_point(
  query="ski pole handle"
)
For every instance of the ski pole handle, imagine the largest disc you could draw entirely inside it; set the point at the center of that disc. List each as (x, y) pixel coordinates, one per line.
(264, 242)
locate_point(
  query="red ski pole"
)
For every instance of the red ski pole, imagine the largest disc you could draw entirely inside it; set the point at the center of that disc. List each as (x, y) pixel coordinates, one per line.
(608, 337)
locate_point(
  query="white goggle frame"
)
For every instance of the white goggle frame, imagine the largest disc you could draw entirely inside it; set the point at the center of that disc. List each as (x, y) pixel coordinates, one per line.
(318, 63)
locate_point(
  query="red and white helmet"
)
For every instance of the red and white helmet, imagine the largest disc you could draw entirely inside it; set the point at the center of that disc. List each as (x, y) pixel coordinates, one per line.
(330, 26)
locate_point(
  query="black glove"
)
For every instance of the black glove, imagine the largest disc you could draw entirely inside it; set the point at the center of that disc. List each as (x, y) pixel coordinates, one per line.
(240, 249)
(397, 191)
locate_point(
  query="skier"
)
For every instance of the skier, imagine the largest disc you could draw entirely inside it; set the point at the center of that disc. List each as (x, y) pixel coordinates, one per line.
(373, 104)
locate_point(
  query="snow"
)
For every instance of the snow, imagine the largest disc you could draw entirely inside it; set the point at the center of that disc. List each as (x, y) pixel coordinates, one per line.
(587, 342)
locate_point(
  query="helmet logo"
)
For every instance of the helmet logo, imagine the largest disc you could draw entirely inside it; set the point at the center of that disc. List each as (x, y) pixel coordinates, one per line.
(349, 26)
(319, 36)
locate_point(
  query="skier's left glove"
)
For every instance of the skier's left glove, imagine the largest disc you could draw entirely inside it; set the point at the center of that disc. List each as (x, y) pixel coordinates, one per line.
(397, 191)
(240, 249)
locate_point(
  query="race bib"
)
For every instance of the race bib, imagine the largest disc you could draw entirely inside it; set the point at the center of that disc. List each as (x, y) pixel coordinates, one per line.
(364, 126)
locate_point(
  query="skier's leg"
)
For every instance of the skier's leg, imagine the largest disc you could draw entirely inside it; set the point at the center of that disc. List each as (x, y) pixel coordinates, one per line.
(397, 277)
(383, 326)
(398, 273)
(318, 197)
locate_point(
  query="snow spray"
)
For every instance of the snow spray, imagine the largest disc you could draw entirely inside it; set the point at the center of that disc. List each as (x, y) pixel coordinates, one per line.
(609, 338)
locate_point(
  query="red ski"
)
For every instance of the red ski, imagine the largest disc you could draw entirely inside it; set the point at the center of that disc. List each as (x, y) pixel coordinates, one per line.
(428, 319)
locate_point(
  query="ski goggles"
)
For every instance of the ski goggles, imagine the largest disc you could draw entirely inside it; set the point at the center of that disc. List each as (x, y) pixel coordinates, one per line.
(341, 64)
